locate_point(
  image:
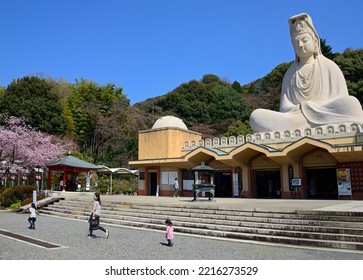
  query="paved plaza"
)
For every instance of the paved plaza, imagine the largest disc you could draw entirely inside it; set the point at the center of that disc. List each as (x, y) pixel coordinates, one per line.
(139, 244)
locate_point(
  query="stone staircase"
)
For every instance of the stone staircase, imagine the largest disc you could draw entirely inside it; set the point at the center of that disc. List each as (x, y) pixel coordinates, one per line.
(318, 229)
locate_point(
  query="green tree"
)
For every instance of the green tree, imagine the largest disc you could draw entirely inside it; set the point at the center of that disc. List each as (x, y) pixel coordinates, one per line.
(239, 128)
(32, 98)
(100, 117)
(63, 90)
(2, 92)
(237, 86)
(265, 92)
(209, 101)
(326, 50)
(351, 64)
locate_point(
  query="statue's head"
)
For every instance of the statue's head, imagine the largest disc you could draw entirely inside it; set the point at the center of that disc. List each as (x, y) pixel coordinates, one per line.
(302, 25)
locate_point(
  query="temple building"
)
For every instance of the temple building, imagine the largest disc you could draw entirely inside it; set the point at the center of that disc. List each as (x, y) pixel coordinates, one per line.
(321, 163)
(311, 149)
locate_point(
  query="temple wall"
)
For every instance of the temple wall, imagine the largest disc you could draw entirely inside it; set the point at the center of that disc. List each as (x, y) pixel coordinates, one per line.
(333, 134)
(164, 142)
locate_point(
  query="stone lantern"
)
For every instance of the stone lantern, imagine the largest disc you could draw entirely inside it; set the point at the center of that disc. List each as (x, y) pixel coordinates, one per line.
(203, 181)
(38, 176)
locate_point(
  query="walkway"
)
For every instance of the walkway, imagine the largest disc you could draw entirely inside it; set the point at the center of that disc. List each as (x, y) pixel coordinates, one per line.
(136, 244)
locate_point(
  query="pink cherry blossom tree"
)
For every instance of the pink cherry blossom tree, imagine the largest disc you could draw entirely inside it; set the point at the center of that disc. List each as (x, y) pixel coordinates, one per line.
(24, 148)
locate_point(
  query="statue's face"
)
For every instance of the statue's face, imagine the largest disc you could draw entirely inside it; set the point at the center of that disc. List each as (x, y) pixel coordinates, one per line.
(304, 45)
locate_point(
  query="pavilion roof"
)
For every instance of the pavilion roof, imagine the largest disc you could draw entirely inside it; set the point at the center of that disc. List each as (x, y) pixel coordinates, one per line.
(72, 161)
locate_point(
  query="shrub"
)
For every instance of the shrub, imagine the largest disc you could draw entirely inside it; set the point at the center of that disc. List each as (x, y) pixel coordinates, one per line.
(103, 189)
(103, 185)
(116, 187)
(15, 205)
(127, 187)
(30, 199)
(16, 194)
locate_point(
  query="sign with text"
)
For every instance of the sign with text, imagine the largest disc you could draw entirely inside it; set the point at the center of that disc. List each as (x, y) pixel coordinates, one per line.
(344, 182)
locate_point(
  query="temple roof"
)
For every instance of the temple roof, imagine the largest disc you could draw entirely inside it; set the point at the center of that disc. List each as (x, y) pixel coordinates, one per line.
(72, 161)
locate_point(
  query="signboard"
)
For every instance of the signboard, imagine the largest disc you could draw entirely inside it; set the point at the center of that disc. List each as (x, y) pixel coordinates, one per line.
(296, 182)
(164, 178)
(188, 185)
(172, 176)
(168, 178)
(344, 182)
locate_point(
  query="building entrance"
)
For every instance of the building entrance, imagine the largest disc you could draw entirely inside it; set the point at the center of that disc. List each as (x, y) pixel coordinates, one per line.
(223, 182)
(268, 184)
(322, 183)
(153, 182)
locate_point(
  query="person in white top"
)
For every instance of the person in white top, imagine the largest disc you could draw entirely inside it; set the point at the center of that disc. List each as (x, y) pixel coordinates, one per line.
(176, 188)
(32, 216)
(94, 220)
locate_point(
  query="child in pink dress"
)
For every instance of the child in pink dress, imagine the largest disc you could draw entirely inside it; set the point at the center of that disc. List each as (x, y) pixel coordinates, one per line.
(169, 234)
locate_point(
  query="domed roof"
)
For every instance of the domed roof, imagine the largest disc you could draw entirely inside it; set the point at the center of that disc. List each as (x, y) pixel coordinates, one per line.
(169, 121)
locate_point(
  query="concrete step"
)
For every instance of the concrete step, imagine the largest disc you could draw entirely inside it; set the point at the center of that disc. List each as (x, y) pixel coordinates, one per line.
(254, 216)
(308, 216)
(221, 225)
(292, 228)
(228, 217)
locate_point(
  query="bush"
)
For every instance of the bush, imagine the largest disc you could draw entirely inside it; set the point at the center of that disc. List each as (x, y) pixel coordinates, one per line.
(116, 187)
(128, 188)
(17, 194)
(125, 186)
(103, 184)
(15, 205)
(103, 189)
(30, 199)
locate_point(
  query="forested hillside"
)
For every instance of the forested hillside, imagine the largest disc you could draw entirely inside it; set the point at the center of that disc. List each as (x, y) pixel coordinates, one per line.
(104, 126)
(215, 107)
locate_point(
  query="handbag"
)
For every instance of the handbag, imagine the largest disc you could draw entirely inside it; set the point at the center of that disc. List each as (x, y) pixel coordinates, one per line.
(93, 220)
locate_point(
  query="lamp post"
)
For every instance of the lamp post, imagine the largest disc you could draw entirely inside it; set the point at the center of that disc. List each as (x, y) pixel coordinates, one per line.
(38, 176)
(2, 176)
(12, 178)
(24, 178)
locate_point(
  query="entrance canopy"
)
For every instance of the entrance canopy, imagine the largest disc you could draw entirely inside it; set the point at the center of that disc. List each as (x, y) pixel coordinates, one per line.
(118, 171)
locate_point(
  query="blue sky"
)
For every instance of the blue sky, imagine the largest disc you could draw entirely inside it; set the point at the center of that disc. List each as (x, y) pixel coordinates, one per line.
(149, 47)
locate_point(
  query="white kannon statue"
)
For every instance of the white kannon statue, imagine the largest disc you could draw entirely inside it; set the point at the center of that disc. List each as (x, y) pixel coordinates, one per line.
(314, 91)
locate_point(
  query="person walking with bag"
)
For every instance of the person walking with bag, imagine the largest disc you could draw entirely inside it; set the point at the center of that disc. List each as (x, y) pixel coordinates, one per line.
(94, 219)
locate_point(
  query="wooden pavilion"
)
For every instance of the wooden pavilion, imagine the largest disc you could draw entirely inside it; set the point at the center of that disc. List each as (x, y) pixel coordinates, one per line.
(69, 164)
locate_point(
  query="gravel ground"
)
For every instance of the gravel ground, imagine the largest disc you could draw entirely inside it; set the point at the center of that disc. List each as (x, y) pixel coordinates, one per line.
(137, 244)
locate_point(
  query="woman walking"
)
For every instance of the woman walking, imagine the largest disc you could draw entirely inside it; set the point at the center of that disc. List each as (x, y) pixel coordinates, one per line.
(94, 220)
